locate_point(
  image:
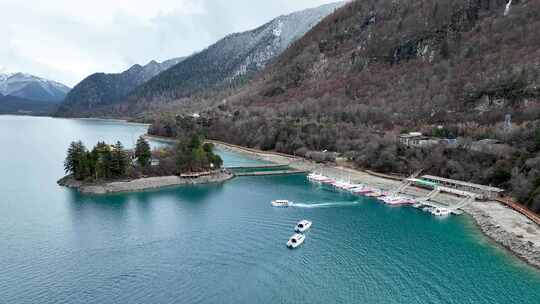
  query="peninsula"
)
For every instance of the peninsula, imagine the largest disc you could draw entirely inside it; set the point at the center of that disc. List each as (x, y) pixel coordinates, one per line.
(113, 169)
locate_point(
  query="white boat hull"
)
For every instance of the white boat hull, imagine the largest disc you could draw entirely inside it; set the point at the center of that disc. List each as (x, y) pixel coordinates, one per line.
(303, 226)
(281, 204)
(295, 241)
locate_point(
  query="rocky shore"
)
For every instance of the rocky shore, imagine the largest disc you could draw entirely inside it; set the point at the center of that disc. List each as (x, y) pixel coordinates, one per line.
(141, 184)
(508, 228)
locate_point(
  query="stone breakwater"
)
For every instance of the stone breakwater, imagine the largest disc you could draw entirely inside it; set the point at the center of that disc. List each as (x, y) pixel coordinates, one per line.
(142, 184)
(509, 229)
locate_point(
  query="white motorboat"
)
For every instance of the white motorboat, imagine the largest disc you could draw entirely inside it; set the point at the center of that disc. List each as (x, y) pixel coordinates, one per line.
(281, 203)
(428, 209)
(338, 184)
(396, 200)
(302, 226)
(441, 212)
(296, 240)
(375, 193)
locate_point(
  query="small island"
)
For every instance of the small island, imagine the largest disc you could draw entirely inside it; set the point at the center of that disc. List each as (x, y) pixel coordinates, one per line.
(113, 169)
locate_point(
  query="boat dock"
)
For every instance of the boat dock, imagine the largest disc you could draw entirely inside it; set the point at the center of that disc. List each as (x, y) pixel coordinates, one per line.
(430, 200)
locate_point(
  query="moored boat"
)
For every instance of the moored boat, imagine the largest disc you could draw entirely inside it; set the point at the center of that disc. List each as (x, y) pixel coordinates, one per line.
(317, 178)
(375, 193)
(441, 211)
(396, 200)
(363, 191)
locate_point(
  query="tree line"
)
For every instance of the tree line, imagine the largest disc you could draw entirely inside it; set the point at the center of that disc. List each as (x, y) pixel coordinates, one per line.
(102, 162)
(110, 162)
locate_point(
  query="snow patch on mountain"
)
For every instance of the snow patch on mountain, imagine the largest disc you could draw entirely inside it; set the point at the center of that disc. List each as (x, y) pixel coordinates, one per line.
(268, 41)
(279, 29)
(31, 87)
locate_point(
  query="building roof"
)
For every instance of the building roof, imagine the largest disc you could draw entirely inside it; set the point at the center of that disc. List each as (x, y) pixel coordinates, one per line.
(422, 182)
(462, 183)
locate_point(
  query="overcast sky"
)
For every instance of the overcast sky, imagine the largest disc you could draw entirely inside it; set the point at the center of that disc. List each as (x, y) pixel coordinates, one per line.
(66, 40)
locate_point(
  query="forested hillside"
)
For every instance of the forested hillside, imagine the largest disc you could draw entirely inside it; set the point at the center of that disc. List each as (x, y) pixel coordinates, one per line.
(374, 69)
(17, 105)
(229, 62)
(101, 90)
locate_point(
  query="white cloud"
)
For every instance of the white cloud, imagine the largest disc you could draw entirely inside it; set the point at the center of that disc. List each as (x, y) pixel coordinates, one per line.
(68, 40)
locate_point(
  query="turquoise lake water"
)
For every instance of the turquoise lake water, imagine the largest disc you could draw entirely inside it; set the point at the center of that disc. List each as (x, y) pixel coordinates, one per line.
(225, 243)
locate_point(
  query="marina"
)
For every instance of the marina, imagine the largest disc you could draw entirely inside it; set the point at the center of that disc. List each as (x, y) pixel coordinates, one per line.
(396, 198)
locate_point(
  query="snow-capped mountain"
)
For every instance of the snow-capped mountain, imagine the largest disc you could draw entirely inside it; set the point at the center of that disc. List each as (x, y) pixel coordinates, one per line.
(101, 89)
(31, 87)
(230, 61)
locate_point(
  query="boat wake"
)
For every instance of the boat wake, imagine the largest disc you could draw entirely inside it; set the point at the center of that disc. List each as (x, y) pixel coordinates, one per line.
(324, 205)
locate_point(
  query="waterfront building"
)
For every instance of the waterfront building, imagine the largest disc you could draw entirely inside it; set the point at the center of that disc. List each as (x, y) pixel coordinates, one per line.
(481, 192)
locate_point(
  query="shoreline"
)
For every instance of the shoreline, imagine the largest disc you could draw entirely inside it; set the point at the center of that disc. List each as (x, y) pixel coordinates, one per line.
(116, 120)
(141, 184)
(504, 226)
(160, 139)
(106, 120)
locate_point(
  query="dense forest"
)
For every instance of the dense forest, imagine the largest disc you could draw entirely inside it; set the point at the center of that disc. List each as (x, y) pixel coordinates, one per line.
(374, 69)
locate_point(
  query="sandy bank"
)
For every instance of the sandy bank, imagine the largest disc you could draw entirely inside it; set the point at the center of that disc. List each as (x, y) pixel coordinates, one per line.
(142, 184)
(506, 227)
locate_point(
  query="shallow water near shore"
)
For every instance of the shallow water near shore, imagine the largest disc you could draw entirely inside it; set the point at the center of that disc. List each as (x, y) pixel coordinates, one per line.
(224, 243)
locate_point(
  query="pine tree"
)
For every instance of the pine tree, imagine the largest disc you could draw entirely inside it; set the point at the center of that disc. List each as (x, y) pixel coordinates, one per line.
(119, 160)
(75, 160)
(143, 153)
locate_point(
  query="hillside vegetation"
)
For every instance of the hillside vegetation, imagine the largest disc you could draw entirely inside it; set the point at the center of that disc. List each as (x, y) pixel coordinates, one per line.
(374, 69)
(97, 93)
(17, 105)
(229, 63)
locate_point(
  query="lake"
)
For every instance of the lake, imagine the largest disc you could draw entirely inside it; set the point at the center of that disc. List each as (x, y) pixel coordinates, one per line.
(225, 243)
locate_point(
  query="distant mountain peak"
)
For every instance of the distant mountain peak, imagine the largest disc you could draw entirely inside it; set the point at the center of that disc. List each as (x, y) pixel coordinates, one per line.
(27, 86)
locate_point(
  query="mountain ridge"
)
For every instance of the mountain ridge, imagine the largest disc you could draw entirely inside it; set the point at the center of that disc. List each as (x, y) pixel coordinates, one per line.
(27, 86)
(103, 89)
(230, 61)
